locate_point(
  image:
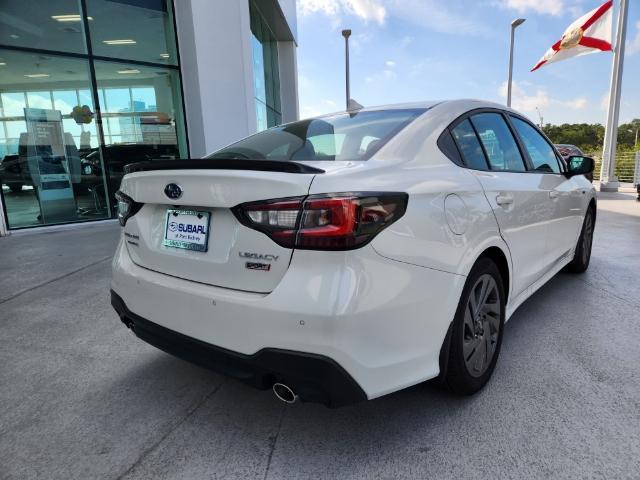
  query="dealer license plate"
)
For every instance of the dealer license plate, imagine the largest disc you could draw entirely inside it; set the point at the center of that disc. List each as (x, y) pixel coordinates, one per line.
(188, 229)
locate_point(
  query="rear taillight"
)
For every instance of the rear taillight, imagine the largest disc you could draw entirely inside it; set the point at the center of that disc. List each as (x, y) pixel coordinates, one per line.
(127, 207)
(340, 221)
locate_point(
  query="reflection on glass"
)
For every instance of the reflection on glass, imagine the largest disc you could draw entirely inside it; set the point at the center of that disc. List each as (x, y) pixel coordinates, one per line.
(142, 116)
(12, 103)
(51, 25)
(144, 30)
(48, 128)
(266, 76)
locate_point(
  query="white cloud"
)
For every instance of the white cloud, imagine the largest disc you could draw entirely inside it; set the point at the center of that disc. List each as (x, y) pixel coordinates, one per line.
(390, 63)
(15, 107)
(308, 111)
(435, 15)
(604, 101)
(575, 104)
(406, 40)
(368, 10)
(328, 7)
(432, 14)
(633, 46)
(522, 99)
(383, 76)
(551, 7)
(359, 41)
(576, 11)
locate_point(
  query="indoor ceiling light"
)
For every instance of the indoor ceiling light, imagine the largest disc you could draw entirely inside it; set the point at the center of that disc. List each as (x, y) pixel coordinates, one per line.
(164, 55)
(69, 18)
(129, 70)
(126, 41)
(37, 75)
(2, 64)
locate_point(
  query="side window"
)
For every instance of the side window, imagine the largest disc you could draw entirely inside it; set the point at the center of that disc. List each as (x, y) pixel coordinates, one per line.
(447, 145)
(469, 146)
(540, 152)
(498, 142)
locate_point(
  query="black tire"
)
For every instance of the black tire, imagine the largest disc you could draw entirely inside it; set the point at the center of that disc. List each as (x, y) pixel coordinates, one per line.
(582, 257)
(461, 377)
(15, 187)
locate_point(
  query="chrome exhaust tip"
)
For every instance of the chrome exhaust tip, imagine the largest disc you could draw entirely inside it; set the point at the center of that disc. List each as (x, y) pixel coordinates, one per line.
(284, 393)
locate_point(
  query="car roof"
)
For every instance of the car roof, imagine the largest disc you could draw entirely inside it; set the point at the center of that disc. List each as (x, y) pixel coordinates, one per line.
(463, 103)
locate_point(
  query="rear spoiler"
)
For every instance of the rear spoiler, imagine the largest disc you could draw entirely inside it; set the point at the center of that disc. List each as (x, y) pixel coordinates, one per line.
(220, 164)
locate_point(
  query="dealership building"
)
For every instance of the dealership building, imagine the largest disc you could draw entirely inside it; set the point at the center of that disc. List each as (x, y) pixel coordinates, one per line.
(88, 86)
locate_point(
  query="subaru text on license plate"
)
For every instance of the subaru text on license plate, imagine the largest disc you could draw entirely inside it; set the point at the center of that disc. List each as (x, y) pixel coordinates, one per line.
(188, 229)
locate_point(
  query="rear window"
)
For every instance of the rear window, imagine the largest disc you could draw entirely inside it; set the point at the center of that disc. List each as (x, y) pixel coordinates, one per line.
(340, 137)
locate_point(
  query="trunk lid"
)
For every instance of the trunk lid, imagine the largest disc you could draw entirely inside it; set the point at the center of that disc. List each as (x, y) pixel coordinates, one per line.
(236, 256)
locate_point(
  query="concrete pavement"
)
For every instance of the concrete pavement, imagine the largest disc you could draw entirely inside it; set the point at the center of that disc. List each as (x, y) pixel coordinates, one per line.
(81, 397)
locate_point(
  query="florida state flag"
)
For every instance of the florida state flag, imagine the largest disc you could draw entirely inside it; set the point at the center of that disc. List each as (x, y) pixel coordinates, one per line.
(591, 33)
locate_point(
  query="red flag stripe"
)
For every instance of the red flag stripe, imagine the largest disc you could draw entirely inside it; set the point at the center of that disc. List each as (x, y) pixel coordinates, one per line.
(596, 43)
(538, 65)
(596, 16)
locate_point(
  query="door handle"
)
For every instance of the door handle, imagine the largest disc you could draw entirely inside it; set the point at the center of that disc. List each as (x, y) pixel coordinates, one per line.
(553, 194)
(504, 199)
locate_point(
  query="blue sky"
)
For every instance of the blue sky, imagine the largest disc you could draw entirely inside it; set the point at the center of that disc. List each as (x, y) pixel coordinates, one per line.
(408, 50)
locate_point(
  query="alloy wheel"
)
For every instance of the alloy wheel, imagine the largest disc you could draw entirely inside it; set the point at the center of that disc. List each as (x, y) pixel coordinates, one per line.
(482, 321)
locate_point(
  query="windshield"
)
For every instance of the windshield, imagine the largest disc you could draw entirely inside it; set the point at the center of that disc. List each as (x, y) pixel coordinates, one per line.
(341, 137)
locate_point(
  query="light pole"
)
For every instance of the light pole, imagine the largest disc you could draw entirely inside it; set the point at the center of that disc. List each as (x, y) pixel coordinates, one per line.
(541, 119)
(515, 24)
(346, 34)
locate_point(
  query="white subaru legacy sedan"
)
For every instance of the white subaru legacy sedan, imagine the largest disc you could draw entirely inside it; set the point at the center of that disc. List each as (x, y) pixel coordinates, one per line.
(344, 257)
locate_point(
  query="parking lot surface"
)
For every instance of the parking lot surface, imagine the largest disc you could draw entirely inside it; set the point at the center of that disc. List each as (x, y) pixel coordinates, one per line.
(82, 398)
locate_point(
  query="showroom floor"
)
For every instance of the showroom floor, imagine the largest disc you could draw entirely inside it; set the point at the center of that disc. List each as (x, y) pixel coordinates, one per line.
(24, 210)
(82, 398)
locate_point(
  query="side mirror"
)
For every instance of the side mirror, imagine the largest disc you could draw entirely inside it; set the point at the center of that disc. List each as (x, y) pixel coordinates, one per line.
(579, 165)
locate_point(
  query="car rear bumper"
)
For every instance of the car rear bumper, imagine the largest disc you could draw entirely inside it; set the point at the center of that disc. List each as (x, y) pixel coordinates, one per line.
(314, 378)
(381, 321)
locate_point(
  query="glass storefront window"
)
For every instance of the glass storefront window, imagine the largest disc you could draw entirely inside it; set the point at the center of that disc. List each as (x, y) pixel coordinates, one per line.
(61, 157)
(51, 25)
(266, 76)
(142, 116)
(45, 126)
(143, 30)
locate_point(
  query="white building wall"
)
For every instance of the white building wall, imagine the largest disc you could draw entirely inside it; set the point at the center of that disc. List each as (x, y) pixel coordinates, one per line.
(214, 39)
(216, 63)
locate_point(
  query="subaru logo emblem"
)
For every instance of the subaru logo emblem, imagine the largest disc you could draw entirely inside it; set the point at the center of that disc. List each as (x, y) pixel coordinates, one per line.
(173, 191)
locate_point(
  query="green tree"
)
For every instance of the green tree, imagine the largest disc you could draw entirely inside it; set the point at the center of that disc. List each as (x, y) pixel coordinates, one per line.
(590, 137)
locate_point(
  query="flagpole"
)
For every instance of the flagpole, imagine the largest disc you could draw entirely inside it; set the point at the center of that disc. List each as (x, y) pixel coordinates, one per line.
(346, 34)
(608, 180)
